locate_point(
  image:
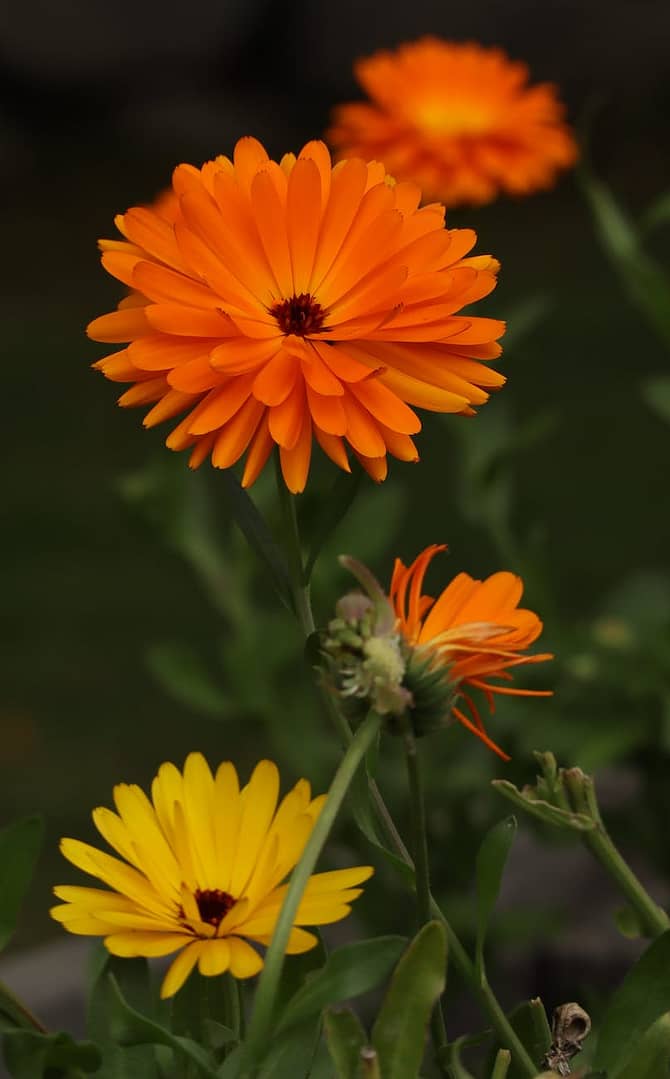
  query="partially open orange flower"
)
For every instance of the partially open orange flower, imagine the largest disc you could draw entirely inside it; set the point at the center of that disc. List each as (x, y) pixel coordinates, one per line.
(273, 303)
(475, 629)
(458, 119)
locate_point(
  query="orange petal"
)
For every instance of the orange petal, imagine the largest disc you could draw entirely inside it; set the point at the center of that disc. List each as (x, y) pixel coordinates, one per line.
(259, 451)
(219, 405)
(295, 460)
(277, 379)
(119, 326)
(234, 438)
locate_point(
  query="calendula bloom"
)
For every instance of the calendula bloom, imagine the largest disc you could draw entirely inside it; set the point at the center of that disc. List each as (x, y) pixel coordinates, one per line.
(275, 303)
(459, 119)
(474, 633)
(201, 871)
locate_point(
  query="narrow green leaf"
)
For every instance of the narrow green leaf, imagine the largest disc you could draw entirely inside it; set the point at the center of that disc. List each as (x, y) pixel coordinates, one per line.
(651, 1058)
(359, 802)
(181, 673)
(418, 982)
(656, 393)
(257, 534)
(20, 844)
(291, 1053)
(646, 282)
(640, 1000)
(350, 971)
(131, 1028)
(346, 1038)
(490, 864)
(657, 214)
(341, 496)
(29, 1055)
(537, 807)
(133, 978)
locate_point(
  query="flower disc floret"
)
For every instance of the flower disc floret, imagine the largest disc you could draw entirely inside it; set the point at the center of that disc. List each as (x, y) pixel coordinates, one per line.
(201, 871)
(276, 303)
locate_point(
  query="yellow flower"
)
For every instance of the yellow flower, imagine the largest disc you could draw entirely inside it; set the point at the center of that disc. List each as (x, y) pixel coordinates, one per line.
(202, 872)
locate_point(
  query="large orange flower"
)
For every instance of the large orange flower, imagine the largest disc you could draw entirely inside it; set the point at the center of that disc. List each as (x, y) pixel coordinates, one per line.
(475, 630)
(458, 119)
(276, 302)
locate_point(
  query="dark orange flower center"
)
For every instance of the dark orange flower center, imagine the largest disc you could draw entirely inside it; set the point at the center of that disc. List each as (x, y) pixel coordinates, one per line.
(299, 315)
(213, 905)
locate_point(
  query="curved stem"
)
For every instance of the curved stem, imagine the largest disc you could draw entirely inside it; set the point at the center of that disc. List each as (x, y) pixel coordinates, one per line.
(261, 1019)
(18, 1012)
(457, 952)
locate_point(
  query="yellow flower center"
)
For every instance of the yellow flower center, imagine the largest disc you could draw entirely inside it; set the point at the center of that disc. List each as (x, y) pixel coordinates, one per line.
(450, 116)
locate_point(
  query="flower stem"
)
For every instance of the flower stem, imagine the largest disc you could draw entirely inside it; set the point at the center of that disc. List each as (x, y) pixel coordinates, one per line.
(457, 952)
(422, 872)
(17, 1012)
(653, 919)
(261, 1019)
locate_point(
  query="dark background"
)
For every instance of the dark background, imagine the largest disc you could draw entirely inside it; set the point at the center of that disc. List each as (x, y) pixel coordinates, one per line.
(563, 477)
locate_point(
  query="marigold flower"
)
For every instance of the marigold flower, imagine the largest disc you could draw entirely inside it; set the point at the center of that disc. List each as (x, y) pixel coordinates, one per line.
(459, 119)
(273, 303)
(474, 632)
(202, 871)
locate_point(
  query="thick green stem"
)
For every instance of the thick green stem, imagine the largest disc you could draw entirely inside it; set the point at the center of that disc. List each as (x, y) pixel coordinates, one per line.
(261, 1019)
(652, 918)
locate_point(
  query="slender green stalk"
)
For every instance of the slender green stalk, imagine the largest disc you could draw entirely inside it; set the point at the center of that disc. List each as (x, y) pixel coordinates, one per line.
(457, 952)
(422, 872)
(18, 1012)
(653, 919)
(261, 1019)
(502, 1063)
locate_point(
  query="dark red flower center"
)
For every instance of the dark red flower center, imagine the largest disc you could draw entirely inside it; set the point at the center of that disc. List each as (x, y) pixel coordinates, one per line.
(299, 315)
(213, 905)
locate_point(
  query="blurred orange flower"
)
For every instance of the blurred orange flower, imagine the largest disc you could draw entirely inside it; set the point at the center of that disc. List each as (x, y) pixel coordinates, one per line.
(273, 303)
(459, 119)
(476, 629)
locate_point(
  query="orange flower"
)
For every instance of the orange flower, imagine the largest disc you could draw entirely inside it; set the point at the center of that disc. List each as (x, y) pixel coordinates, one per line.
(276, 302)
(458, 119)
(476, 629)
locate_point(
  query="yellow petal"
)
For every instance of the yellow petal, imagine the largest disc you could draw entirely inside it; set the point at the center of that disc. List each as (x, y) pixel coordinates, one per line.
(199, 815)
(141, 943)
(259, 801)
(180, 969)
(214, 958)
(244, 960)
(226, 820)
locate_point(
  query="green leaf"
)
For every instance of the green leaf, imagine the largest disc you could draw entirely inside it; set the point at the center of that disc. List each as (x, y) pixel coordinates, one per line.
(490, 864)
(183, 676)
(656, 393)
(337, 502)
(640, 1000)
(657, 214)
(546, 812)
(529, 1022)
(20, 844)
(646, 283)
(346, 1038)
(418, 982)
(651, 1059)
(350, 971)
(257, 534)
(132, 976)
(130, 1028)
(359, 801)
(29, 1055)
